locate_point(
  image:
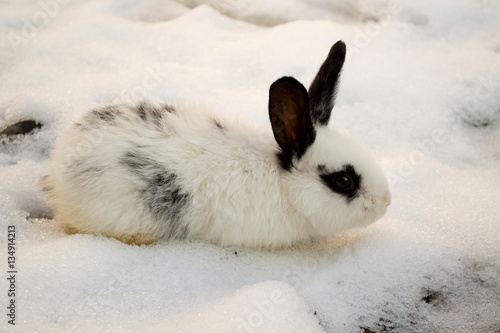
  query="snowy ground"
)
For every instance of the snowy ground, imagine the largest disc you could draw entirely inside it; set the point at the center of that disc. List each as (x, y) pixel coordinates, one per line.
(421, 89)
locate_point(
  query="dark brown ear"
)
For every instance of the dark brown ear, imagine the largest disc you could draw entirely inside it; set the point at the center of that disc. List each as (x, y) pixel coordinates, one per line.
(324, 87)
(290, 119)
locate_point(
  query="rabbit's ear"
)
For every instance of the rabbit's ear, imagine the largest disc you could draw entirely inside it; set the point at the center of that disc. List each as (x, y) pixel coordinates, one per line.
(290, 118)
(324, 87)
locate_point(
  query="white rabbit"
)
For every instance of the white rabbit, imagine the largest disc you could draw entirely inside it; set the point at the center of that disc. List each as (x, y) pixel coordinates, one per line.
(144, 172)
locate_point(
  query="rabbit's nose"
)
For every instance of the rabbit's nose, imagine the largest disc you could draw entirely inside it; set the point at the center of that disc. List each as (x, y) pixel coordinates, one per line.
(387, 198)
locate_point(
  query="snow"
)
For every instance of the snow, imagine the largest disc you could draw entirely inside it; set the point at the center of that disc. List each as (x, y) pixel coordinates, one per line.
(420, 88)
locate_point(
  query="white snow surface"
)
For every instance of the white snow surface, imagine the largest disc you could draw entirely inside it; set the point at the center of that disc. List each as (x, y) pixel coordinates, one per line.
(420, 88)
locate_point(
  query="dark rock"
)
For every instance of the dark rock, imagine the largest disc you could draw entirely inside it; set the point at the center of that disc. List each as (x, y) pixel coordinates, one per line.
(22, 127)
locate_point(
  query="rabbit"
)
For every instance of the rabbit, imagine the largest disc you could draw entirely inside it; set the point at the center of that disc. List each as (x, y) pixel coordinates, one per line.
(141, 173)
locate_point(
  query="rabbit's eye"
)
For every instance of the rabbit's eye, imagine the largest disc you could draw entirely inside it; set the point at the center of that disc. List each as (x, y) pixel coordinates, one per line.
(343, 182)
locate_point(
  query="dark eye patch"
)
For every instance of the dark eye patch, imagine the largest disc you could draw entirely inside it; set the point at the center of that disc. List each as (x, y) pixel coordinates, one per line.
(345, 181)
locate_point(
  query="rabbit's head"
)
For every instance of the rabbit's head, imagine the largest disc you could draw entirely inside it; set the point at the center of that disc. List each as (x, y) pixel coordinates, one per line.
(329, 178)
